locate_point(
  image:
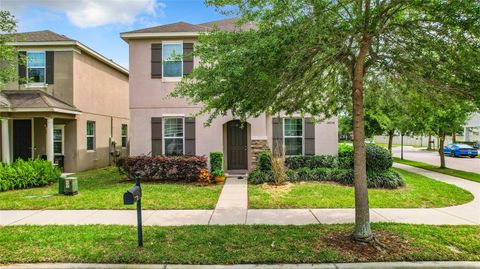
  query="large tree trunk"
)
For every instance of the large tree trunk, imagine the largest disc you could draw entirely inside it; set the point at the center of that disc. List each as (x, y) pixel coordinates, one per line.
(363, 231)
(441, 144)
(390, 140)
(454, 137)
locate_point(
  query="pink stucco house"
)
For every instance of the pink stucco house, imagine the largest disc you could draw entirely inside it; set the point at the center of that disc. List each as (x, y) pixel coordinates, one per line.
(164, 125)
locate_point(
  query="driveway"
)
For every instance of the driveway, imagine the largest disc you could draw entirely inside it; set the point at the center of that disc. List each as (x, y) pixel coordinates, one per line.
(432, 157)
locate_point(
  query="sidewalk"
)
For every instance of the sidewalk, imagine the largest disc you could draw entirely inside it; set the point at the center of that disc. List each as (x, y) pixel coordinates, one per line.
(232, 209)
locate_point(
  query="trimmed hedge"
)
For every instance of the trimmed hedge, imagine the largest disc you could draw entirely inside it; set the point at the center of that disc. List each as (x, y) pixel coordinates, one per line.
(26, 174)
(324, 161)
(164, 168)
(378, 158)
(216, 161)
(389, 179)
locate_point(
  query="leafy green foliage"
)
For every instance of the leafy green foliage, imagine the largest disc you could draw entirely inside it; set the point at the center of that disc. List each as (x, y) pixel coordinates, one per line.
(258, 176)
(26, 174)
(264, 160)
(326, 161)
(216, 164)
(8, 53)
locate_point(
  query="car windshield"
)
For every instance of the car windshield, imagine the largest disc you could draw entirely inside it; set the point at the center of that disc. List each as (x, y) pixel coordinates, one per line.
(463, 146)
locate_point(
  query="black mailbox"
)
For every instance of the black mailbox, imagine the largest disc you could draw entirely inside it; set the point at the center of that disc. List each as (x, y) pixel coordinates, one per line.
(132, 195)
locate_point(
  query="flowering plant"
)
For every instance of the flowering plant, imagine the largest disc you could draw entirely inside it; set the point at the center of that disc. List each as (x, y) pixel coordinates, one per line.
(204, 177)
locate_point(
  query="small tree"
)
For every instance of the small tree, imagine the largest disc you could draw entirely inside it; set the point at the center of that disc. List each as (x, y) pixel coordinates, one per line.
(8, 53)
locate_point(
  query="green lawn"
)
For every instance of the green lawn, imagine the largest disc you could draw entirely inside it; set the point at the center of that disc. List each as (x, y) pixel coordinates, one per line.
(235, 244)
(420, 192)
(452, 172)
(104, 188)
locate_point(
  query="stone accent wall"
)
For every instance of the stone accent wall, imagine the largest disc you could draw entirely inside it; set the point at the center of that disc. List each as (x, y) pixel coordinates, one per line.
(257, 146)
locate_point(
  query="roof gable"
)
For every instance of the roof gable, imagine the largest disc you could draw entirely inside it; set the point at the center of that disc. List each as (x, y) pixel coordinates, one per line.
(41, 36)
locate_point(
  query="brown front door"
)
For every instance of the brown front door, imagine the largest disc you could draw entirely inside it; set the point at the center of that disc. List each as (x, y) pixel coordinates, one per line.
(237, 155)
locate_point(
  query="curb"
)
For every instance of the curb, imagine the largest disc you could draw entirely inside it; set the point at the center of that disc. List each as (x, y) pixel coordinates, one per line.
(374, 265)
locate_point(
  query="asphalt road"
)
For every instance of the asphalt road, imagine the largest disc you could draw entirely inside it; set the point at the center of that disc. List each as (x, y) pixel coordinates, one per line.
(421, 155)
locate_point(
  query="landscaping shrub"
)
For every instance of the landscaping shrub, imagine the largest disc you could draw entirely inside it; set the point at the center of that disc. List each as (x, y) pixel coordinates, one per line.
(165, 168)
(378, 158)
(389, 179)
(216, 161)
(258, 176)
(26, 174)
(312, 162)
(292, 175)
(264, 160)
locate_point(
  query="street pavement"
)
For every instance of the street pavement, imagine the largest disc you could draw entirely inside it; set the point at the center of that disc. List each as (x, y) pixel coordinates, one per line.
(432, 157)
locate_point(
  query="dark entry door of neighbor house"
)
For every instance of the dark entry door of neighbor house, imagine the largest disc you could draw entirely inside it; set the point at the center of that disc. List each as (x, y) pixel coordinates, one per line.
(22, 139)
(236, 146)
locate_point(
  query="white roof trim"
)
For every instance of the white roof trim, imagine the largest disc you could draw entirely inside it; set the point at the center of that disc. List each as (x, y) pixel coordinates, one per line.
(88, 50)
(165, 34)
(59, 110)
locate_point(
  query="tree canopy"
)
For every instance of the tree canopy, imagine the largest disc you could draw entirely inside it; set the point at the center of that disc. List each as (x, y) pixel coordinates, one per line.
(318, 56)
(8, 53)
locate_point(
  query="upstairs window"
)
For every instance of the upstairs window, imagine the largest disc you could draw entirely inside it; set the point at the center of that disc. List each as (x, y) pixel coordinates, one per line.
(293, 136)
(36, 67)
(124, 135)
(172, 55)
(173, 136)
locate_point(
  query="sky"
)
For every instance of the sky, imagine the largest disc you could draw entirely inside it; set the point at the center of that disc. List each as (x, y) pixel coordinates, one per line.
(98, 23)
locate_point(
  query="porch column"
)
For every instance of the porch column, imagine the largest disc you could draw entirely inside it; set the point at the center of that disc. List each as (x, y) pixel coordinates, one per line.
(5, 141)
(49, 143)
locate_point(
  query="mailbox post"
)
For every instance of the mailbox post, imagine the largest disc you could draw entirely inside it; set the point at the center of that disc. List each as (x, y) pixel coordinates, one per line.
(134, 195)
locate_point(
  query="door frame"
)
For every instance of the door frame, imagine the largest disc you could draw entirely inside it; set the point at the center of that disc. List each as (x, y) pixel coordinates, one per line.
(248, 144)
(32, 150)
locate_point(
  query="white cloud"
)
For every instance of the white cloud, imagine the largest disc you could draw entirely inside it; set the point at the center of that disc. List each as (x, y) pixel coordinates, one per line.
(92, 13)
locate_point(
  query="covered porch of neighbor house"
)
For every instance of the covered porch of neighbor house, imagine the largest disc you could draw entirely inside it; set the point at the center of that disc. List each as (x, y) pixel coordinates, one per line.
(37, 125)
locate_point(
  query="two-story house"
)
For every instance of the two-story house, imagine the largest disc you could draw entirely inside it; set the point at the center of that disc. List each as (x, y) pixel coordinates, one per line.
(164, 125)
(69, 105)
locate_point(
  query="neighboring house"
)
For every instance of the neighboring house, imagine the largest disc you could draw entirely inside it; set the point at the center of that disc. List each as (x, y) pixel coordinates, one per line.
(472, 128)
(68, 106)
(164, 125)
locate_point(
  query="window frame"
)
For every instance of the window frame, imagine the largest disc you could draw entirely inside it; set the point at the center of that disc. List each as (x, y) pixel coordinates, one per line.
(172, 79)
(122, 135)
(302, 136)
(27, 75)
(61, 127)
(93, 136)
(164, 120)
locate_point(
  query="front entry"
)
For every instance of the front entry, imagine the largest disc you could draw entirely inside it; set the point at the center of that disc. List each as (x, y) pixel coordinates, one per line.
(22, 139)
(237, 154)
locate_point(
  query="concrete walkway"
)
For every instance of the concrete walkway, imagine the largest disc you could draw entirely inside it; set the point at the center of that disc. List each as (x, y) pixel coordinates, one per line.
(232, 209)
(371, 265)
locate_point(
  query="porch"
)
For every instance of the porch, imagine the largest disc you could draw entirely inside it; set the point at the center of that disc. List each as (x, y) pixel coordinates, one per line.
(36, 125)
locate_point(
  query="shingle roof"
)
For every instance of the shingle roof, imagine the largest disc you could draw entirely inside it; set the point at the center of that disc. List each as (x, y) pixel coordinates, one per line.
(14, 99)
(41, 36)
(169, 28)
(226, 24)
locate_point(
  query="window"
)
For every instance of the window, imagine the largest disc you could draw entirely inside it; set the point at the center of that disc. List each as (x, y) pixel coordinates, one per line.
(90, 135)
(172, 60)
(293, 136)
(36, 66)
(124, 135)
(58, 139)
(173, 136)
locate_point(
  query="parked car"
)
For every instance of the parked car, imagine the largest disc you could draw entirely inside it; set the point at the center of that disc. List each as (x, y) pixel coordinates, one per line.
(457, 150)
